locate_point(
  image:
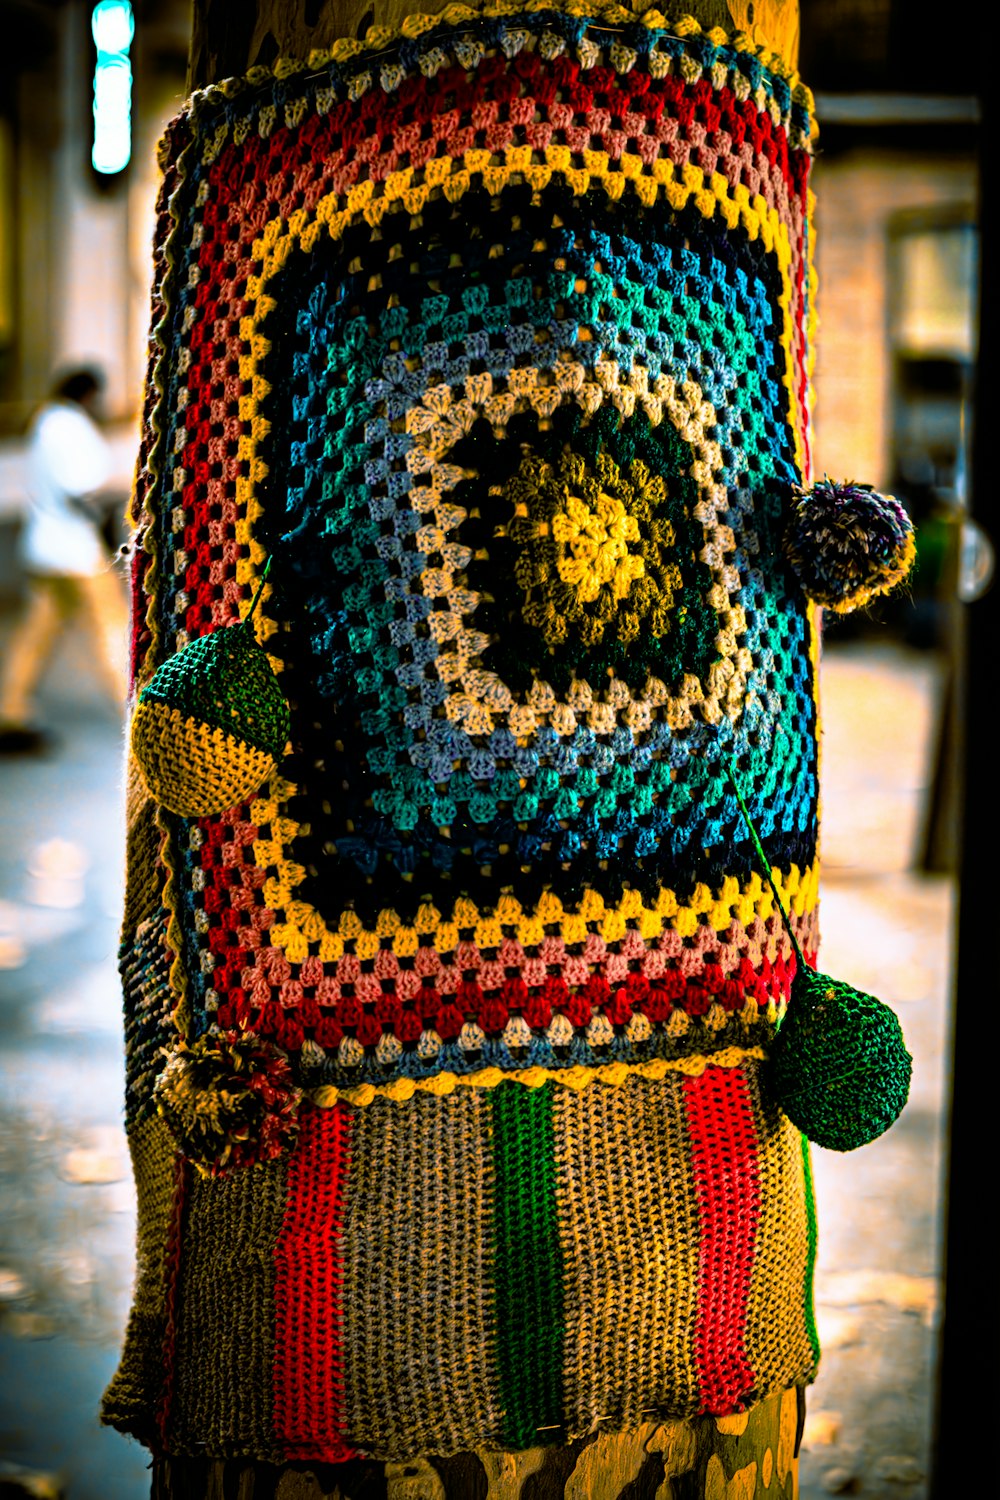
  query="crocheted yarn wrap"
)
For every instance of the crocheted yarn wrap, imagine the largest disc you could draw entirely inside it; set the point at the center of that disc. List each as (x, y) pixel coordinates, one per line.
(211, 724)
(229, 1099)
(839, 1066)
(493, 335)
(848, 543)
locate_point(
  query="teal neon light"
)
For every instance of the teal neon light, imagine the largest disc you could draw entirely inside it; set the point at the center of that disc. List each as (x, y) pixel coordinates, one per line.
(113, 27)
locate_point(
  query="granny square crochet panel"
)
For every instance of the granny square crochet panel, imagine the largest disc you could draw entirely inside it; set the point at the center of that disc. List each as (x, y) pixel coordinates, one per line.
(493, 334)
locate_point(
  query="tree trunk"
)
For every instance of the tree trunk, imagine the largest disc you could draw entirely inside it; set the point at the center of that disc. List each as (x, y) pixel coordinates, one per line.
(748, 1457)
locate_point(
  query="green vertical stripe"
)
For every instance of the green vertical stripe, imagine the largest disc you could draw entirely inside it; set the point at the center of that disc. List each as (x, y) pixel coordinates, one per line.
(528, 1265)
(811, 1257)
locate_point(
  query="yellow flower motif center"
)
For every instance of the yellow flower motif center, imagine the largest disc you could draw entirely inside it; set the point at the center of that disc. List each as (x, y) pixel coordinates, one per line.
(595, 539)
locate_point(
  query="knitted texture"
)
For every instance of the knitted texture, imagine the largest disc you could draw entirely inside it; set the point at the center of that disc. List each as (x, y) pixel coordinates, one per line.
(210, 726)
(132, 1401)
(839, 1066)
(493, 336)
(391, 1288)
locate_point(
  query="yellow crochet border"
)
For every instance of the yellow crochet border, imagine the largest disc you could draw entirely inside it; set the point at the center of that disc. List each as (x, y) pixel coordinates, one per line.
(177, 976)
(303, 925)
(613, 1075)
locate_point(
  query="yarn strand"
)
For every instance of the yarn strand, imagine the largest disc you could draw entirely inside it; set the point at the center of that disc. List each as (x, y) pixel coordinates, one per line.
(765, 864)
(259, 590)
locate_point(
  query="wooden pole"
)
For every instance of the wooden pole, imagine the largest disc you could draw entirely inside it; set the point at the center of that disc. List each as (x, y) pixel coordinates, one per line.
(749, 1457)
(230, 36)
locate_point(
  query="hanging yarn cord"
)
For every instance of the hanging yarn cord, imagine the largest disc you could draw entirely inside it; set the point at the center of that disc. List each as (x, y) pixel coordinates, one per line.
(257, 594)
(209, 729)
(212, 723)
(839, 1067)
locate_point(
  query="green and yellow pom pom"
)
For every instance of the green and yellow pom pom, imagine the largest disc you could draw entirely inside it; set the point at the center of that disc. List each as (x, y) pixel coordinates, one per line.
(839, 1067)
(211, 725)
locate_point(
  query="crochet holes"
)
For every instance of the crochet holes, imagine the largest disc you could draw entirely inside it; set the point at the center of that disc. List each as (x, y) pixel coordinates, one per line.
(589, 572)
(486, 344)
(507, 561)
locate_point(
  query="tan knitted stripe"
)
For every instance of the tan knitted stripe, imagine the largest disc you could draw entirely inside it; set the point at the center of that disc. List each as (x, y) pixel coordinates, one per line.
(222, 1402)
(418, 1320)
(777, 1341)
(143, 877)
(629, 1230)
(134, 1393)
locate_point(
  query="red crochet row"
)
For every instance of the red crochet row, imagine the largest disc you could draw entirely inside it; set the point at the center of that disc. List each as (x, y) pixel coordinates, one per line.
(498, 89)
(655, 999)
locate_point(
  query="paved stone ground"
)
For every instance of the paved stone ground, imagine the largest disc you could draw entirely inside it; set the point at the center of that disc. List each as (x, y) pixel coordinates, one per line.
(68, 1220)
(886, 930)
(68, 1215)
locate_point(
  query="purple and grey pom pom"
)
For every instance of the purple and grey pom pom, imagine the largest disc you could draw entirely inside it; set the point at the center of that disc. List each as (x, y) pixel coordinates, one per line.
(847, 543)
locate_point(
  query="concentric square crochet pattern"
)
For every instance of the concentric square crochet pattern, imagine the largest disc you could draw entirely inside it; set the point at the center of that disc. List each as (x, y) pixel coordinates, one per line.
(493, 334)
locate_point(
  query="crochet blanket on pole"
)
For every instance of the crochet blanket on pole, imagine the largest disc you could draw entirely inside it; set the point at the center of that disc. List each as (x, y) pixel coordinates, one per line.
(494, 334)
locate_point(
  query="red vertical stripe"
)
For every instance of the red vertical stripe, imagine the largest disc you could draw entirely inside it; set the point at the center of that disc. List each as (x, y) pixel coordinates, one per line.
(801, 295)
(727, 1184)
(308, 1375)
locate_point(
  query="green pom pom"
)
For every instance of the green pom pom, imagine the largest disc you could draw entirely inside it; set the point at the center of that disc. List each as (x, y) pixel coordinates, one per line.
(839, 1066)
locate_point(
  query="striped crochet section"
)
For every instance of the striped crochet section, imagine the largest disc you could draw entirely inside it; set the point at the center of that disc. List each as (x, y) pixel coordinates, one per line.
(493, 1270)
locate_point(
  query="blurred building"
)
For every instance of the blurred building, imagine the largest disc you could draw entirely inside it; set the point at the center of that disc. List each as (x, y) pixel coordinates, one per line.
(74, 244)
(896, 257)
(896, 181)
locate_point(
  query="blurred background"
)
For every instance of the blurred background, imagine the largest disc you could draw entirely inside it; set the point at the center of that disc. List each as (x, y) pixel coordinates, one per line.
(898, 255)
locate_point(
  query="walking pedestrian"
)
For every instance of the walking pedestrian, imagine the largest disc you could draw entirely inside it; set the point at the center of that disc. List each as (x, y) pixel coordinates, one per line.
(70, 581)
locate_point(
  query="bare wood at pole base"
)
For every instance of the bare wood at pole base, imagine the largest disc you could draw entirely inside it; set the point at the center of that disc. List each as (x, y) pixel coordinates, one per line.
(749, 1457)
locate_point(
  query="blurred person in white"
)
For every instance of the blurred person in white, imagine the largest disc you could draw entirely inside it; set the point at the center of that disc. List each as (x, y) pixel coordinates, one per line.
(70, 581)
